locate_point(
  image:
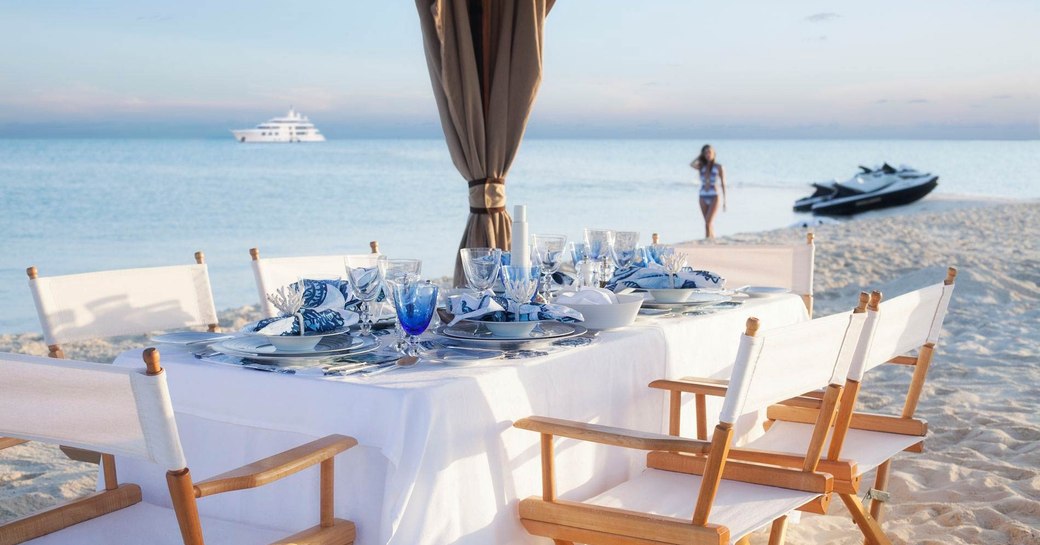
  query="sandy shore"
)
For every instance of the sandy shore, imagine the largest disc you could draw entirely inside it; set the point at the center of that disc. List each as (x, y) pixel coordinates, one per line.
(978, 480)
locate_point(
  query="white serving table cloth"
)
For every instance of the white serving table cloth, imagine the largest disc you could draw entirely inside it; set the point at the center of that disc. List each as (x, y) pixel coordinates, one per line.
(438, 461)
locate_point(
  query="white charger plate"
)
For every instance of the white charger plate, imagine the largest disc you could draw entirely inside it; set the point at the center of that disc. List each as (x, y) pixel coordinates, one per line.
(257, 347)
(189, 337)
(696, 299)
(764, 291)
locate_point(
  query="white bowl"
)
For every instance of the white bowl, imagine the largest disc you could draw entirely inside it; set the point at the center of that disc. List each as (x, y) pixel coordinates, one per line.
(609, 316)
(764, 291)
(510, 329)
(294, 343)
(670, 296)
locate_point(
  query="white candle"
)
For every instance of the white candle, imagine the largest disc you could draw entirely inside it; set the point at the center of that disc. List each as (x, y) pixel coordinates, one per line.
(521, 250)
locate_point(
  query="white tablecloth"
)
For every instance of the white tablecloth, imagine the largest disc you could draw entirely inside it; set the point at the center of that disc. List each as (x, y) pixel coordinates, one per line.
(438, 460)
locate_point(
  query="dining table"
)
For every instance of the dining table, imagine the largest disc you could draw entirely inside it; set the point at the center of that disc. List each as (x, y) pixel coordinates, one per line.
(438, 460)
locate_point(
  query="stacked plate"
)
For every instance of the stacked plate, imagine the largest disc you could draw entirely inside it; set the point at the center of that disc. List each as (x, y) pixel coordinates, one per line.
(259, 348)
(694, 299)
(477, 334)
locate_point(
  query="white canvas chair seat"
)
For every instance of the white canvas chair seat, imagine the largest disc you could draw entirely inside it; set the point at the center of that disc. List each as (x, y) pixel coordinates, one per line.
(782, 266)
(741, 507)
(273, 273)
(868, 449)
(144, 523)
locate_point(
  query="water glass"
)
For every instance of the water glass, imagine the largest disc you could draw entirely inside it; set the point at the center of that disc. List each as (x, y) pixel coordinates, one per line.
(415, 301)
(521, 283)
(580, 258)
(625, 243)
(366, 283)
(548, 254)
(481, 266)
(398, 270)
(600, 246)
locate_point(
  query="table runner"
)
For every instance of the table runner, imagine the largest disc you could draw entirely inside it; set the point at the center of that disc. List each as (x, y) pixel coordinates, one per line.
(438, 460)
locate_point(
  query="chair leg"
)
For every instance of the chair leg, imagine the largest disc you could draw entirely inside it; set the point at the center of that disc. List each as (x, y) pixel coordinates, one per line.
(778, 532)
(746, 540)
(182, 492)
(562, 542)
(870, 527)
(880, 483)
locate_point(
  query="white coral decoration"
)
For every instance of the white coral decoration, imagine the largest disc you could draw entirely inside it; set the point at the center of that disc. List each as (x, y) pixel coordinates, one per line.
(673, 263)
(288, 300)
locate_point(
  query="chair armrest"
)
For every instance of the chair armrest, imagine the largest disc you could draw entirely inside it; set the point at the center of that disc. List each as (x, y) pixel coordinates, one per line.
(6, 442)
(860, 421)
(694, 385)
(275, 467)
(607, 435)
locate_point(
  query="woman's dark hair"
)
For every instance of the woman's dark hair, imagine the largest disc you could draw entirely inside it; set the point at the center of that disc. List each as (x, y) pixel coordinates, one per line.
(702, 162)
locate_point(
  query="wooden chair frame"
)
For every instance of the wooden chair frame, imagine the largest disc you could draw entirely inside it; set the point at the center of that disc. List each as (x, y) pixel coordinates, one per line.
(184, 492)
(566, 522)
(805, 409)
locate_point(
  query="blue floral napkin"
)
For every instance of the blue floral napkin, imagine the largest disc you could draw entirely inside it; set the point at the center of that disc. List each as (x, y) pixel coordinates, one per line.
(487, 308)
(324, 309)
(654, 277)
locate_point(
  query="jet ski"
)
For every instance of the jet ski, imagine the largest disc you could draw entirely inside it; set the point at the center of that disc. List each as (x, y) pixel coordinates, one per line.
(870, 189)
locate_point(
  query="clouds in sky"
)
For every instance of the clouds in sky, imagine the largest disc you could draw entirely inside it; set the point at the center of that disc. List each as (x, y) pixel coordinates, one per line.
(670, 68)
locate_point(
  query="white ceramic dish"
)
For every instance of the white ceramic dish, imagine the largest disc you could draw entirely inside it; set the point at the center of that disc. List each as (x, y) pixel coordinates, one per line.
(670, 295)
(298, 343)
(468, 332)
(190, 337)
(764, 291)
(609, 316)
(695, 300)
(253, 346)
(511, 330)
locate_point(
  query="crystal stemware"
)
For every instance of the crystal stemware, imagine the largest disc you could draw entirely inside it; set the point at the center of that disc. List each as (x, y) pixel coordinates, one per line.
(481, 266)
(548, 254)
(415, 300)
(398, 270)
(521, 284)
(580, 259)
(366, 283)
(600, 244)
(625, 243)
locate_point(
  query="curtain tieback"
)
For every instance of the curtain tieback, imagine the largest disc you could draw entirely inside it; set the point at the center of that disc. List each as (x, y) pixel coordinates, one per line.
(487, 196)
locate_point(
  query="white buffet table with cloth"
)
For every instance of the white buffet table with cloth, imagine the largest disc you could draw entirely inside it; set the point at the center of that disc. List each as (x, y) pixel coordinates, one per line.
(439, 461)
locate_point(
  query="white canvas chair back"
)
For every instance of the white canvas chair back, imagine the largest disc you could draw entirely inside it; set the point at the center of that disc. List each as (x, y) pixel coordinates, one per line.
(93, 406)
(786, 362)
(76, 307)
(274, 273)
(900, 325)
(788, 267)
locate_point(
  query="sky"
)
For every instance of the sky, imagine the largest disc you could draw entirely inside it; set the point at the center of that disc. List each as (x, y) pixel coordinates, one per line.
(954, 69)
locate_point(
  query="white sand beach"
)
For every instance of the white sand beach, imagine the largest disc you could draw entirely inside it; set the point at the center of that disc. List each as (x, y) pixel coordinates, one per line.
(978, 480)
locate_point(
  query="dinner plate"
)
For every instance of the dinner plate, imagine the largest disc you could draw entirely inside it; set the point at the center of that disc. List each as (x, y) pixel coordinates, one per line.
(189, 337)
(466, 334)
(461, 357)
(259, 348)
(764, 291)
(475, 330)
(696, 299)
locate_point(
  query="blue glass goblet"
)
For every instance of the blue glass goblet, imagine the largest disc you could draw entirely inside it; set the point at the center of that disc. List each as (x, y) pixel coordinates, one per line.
(415, 300)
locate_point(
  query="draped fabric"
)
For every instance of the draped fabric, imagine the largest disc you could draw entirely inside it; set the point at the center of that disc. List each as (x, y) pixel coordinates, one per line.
(485, 62)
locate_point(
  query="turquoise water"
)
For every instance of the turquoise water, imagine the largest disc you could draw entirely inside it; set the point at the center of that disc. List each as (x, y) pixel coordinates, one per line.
(80, 205)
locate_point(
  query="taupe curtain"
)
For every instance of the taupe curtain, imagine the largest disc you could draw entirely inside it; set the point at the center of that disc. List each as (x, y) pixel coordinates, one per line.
(485, 61)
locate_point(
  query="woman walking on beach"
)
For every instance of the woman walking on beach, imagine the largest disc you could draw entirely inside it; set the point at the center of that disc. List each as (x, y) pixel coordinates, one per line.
(713, 177)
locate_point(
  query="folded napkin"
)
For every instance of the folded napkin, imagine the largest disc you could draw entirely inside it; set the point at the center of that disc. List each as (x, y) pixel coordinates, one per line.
(588, 296)
(487, 308)
(324, 309)
(654, 277)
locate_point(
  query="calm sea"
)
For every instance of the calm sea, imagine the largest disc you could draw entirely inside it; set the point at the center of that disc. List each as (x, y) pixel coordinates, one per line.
(81, 205)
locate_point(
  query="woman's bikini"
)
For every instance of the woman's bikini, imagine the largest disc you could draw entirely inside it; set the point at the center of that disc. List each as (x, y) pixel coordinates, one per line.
(709, 184)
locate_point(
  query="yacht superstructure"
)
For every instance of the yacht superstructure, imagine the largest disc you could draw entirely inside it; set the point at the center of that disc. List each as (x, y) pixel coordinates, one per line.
(293, 127)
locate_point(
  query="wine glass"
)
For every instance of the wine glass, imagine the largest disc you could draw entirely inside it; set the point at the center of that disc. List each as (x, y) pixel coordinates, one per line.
(520, 283)
(548, 254)
(481, 266)
(366, 283)
(580, 258)
(415, 301)
(398, 270)
(600, 245)
(625, 243)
